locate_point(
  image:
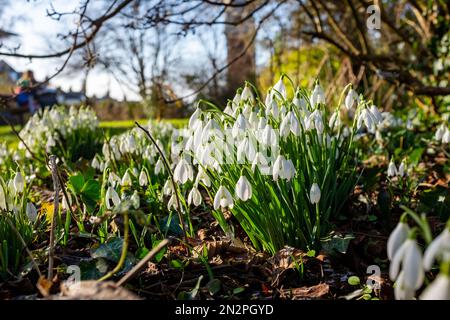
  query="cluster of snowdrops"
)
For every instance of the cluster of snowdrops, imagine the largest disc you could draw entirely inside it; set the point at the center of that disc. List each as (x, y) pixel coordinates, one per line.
(283, 166)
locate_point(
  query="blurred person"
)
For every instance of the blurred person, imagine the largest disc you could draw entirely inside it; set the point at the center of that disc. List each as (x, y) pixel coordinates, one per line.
(26, 93)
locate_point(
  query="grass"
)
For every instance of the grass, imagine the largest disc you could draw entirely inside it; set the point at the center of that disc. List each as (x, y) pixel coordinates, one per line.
(113, 127)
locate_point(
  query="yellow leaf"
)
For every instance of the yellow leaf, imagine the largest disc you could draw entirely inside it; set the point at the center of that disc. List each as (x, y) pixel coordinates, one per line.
(47, 210)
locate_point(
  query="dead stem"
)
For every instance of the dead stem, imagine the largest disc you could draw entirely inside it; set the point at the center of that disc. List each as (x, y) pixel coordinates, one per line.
(130, 274)
(54, 171)
(175, 186)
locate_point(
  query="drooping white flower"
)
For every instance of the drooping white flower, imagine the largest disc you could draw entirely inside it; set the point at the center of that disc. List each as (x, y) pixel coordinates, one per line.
(260, 161)
(173, 203)
(317, 96)
(401, 169)
(18, 183)
(203, 177)
(183, 172)
(396, 239)
(126, 180)
(350, 99)
(223, 199)
(446, 136)
(31, 212)
(376, 114)
(439, 289)
(392, 169)
(135, 200)
(240, 125)
(2, 198)
(131, 143)
(300, 103)
(194, 117)
(246, 148)
(269, 136)
(168, 187)
(410, 257)
(247, 94)
(439, 248)
(113, 178)
(335, 120)
(95, 163)
(280, 88)
(401, 290)
(314, 193)
(194, 197)
(143, 179)
(278, 167)
(243, 189)
(111, 198)
(159, 166)
(439, 132)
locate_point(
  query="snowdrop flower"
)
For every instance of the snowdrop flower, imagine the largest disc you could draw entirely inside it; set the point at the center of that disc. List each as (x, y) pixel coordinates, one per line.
(350, 99)
(135, 201)
(112, 198)
(113, 178)
(440, 132)
(247, 149)
(300, 103)
(203, 177)
(183, 172)
(314, 193)
(269, 136)
(272, 108)
(131, 144)
(317, 96)
(223, 198)
(50, 144)
(194, 197)
(401, 169)
(240, 125)
(247, 94)
(439, 289)
(18, 183)
(159, 166)
(143, 179)
(260, 161)
(172, 202)
(368, 119)
(236, 100)
(168, 187)
(392, 169)
(289, 124)
(401, 290)
(280, 88)
(376, 114)
(438, 249)
(283, 168)
(243, 189)
(446, 136)
(95, 163)
(126, 180)
(2, 198)
(396, 239)
(278, 167)
(410, 257)
(194, 118)
(31, 212)
(335, 120)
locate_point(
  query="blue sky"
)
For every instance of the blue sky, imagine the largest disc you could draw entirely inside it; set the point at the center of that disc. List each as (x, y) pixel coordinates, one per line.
(37, 32)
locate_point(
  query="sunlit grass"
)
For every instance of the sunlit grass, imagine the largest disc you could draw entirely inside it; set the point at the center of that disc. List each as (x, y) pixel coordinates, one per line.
(111, 127)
